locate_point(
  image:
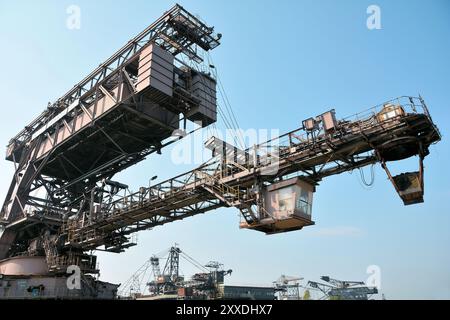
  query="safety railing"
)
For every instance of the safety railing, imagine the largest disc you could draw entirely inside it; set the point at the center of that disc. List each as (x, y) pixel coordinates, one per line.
(274, 150)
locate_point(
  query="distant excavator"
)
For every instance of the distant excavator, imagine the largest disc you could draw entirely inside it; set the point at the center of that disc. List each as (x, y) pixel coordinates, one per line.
(62, 202)
(334, 289)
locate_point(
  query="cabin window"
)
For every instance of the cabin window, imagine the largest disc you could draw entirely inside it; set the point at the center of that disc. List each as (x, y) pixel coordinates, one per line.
(285, 199)
(304, 201)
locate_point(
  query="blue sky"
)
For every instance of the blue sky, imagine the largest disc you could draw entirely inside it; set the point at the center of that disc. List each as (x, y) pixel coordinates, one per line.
(280, 62)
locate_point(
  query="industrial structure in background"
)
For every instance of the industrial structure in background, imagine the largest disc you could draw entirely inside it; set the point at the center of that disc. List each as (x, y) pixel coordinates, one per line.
(150, 283)
(62, 202)
(287, 288)
(343, 290)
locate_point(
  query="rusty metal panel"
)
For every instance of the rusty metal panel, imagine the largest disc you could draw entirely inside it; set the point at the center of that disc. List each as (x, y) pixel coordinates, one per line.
(155, 70)
(204, 89)
(23, 266)
(59, 134)
(289, 198)
(47, 145)
(82, 120)
(309, 124)
(409, 187)
(157, 64)
(158, 113)
(329, 120)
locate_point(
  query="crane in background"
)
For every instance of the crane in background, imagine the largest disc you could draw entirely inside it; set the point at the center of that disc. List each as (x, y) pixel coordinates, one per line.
(343, 290)
(288, 287)
(169, 280)
(165, 281)
(169, 283)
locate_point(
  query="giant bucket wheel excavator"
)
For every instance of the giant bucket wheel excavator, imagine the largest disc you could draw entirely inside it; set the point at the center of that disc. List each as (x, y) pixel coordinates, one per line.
(62, 202)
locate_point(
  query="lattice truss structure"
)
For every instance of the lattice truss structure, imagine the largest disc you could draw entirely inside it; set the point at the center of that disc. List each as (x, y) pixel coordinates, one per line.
(128, 107)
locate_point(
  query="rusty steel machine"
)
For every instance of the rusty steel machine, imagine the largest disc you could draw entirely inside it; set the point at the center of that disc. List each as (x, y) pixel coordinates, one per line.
(62, 201)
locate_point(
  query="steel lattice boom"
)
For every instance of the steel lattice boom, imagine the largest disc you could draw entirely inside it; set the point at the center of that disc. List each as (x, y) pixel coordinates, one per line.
(129, 108)
(126, 109)
(238, 180)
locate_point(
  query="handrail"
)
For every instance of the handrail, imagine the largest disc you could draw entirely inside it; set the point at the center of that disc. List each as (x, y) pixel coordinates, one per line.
(124, 55)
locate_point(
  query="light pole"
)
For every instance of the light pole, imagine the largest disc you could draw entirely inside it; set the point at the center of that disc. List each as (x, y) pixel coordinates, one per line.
(150, 186)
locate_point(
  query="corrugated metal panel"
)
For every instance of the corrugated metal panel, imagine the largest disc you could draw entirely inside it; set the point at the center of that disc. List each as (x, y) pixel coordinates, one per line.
(204, 89)
(155, 70)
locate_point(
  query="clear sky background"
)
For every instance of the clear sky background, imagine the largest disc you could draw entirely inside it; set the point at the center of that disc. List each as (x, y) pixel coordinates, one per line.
(280, 62)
